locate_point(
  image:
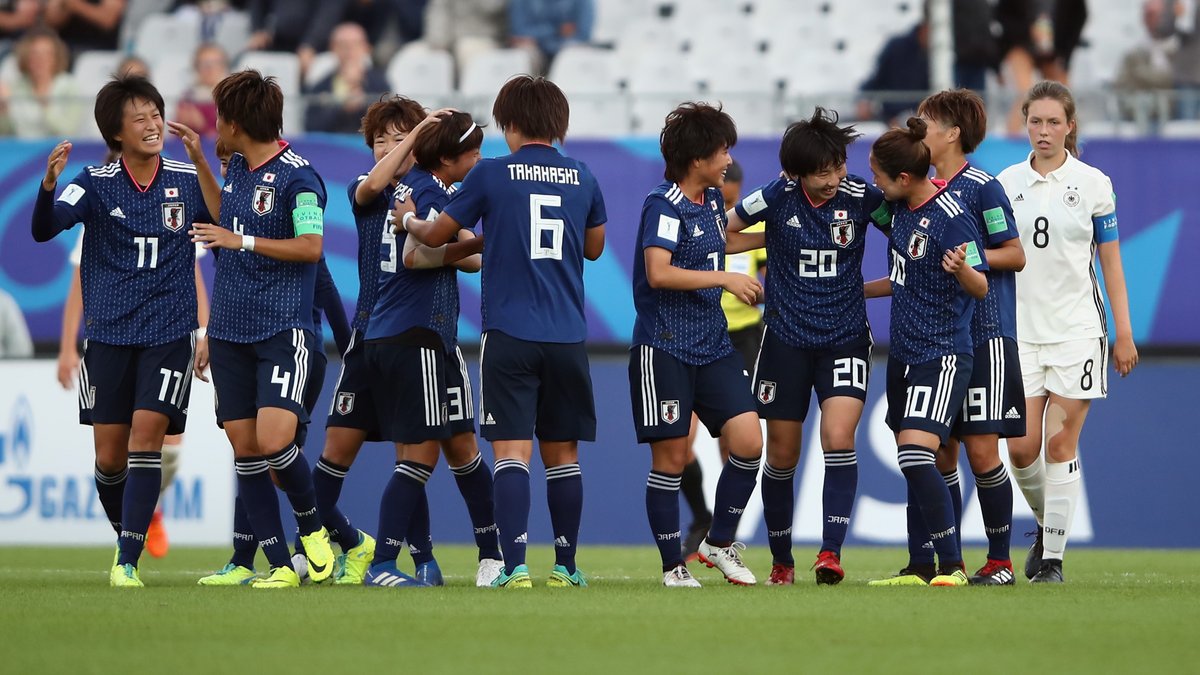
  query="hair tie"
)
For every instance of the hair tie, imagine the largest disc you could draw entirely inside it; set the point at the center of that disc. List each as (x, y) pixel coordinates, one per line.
(468, 132)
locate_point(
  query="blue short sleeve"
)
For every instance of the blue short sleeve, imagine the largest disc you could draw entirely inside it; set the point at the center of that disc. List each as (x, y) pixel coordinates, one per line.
(305, 181)
(661, 225)
(469, 203)
(429, 199)
(999, 224)
(760, 204)
(380, 201)
(597, 214)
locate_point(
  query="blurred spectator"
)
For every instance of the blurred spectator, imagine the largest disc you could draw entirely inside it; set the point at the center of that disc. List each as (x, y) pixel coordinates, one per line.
(975, 47)
(1148, 66)
(197, 109)
(338, 102)
(14, 333)
(376, 16)
(44, 101)
(208, 14)
(300, 26)
(1037, 35)
(543, 27)
(16, 16)
(466, 27)
(133, 65)
(87, 24)
(1185, 62)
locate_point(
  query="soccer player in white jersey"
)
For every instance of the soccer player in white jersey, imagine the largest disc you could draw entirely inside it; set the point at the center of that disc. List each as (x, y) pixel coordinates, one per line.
(1066, 212)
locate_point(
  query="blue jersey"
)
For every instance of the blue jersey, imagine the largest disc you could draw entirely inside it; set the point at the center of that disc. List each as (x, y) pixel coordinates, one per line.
(814, 267)
(255, 297)
(137, 269)
(535, 205)
(931, 313)
(424, 298)
(996, 314)
(371, 220)
(688, 325)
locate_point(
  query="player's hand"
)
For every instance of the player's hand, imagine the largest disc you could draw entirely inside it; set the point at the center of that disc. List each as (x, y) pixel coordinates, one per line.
(401, 207)
(215, 236)
(191, 139)
(1125, 355)
(433, 118)
(201, 363)
(955, 258)
(743, 287)
(68, 366)
(55, 163)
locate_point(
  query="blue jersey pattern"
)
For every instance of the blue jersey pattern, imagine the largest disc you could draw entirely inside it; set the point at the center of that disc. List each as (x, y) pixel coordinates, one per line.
(814, 270)
(255, 297)
(371, 220)
(931, 313)
(996, 314)
(688, 325)
(137, 271)
(535, 205)
(425, 298)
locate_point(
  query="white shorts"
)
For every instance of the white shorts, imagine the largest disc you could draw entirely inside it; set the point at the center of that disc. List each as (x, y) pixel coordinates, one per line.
(1075, 369)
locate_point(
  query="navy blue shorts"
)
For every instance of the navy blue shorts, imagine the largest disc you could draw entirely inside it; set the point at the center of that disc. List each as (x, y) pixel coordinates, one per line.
(273, 373)
(460, 398)
(532, 390)
(927, 396)
(409, 388)
(666, 391)
(353, 403)
(995, 400)
(115, 380)
(785, 376)
(316, 381)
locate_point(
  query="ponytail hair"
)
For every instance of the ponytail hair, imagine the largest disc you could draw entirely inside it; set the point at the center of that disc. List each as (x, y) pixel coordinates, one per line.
(903, 150)
(1057, 92)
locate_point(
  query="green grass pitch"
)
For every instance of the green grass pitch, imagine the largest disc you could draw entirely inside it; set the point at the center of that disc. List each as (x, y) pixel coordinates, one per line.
(1121, 611)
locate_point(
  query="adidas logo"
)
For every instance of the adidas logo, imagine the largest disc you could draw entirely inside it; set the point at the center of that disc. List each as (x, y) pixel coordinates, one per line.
(228, 188)
(1020, 197)
(697, 232)
(117, 213)
(561, 542)
(523, 539)
(488, 419)
(793, 222)
(1012, 414)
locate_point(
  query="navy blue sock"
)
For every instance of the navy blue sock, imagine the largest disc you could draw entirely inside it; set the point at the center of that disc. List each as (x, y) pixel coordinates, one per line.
(327, 479)
(419, 538)
(693, 492)
(295, 478)
(257, 493)
(734, 488)
(137, 507)
(396, 507)
(474, 481)
(511, 485)
(934, 499)
(779, 505)
(564, 496)
(244, 544)
(955, 487)
(110, 488)
(837, 497)
(996, 502)
(662, 509)
(920, 548)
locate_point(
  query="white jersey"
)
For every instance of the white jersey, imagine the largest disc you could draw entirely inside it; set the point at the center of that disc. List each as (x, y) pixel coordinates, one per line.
(1061, 217)
(76, 255)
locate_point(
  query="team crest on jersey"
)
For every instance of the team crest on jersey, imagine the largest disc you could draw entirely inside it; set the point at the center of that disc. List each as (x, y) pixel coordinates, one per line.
(268, 177)
(1071, 198)
(172, 213)
(669, 411)
(264, 199)
(917, 244)
(766, 391)
(842, 231)
(345, 403)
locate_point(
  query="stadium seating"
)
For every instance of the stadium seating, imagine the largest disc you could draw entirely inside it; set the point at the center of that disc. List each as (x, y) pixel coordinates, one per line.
(161, 34)
(484, 76)
(423, 73)
(285, 67)
(588, 77)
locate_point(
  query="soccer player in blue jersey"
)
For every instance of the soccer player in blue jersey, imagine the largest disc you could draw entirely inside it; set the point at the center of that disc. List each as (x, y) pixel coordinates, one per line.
(261, 330)
(542, 215)
(933, 298)
(412, 351)
(682, 360)
(817, 334)
(995, 404)
(139, 299)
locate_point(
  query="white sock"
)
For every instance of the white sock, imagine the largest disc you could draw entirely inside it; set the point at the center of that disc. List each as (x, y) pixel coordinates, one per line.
(170, 464)
(1062, 494)
(1032, 481)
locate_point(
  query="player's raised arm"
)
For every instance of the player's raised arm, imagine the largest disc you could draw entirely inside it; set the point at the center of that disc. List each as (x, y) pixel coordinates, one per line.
(308, 221)
(972, 280)
(50, 217)
(208, 182)
(387, 169)
(432, 233)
